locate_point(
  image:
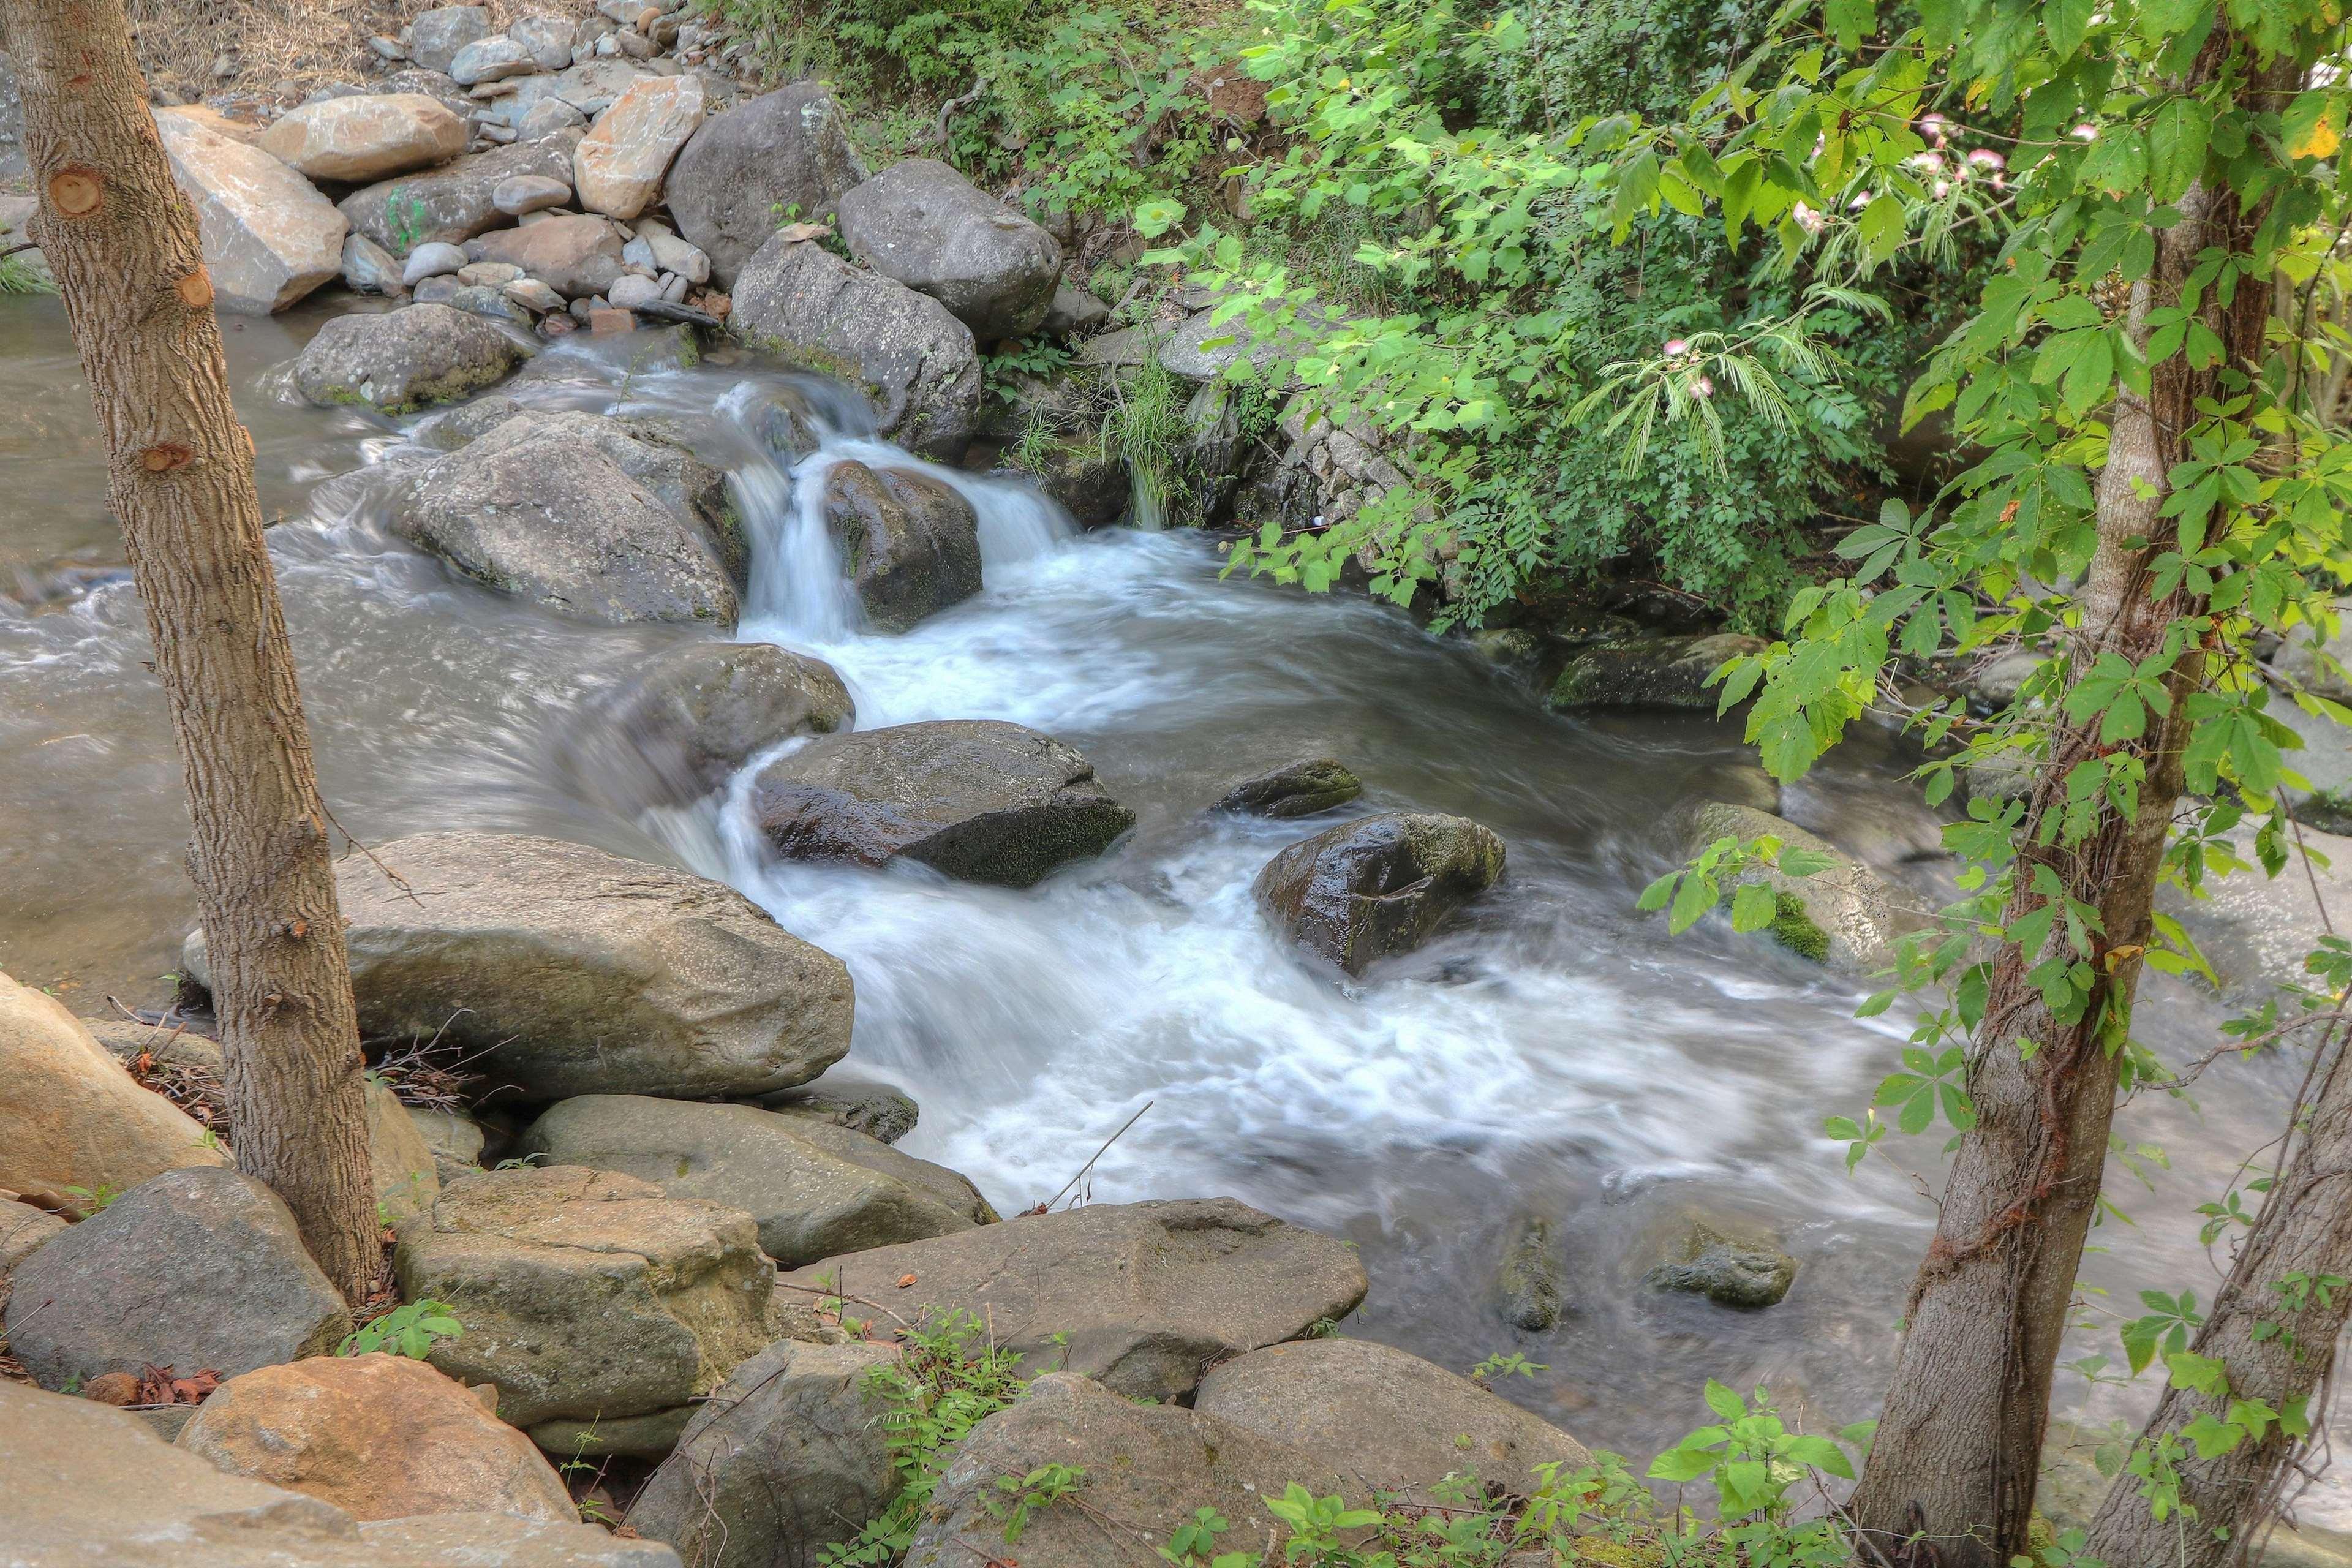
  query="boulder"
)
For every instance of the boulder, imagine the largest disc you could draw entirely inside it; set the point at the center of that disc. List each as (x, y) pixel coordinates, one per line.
(405, 360)
(978, 799)
(618, 166)
(454, 202)
(1148, 1470)
(407, 1176)
(910, 542)
(575, 971)
(494, 58)
(786, 1457)
(435, 36)
(71, 1117)
(520, 194)
(365, 137)
(1728, 1266)
(369, 268)
(1074, 311)
(585, 1294)
(454, 1138)
(549, 39)
(1848, 917)
(571, 97)
(1295, 789)
(545, 507)
(196, 1269)
(2255, 931)
(951, 1188)
(1086, 479)
(576, 254)
(808, 1204)
(1649, 672)
(162, 1505)
(23, 1229)
(877, 1109)
(915, 361)
(672, 254)
(1148, 1294)
(1365, 889)
(785, 154)
(269, 237)
(434, 259)
(380, 1437)
(701, 711)
(1387, 1421)
(935, 231)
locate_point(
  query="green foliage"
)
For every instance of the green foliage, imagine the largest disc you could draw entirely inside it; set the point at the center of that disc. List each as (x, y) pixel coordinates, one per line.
(411, 1329)
(93, 1200)
(18, 275)
(1019, 1497)
(1506, 1363)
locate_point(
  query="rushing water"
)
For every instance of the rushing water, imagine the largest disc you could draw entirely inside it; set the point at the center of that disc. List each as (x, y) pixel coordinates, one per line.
(1553, 1054)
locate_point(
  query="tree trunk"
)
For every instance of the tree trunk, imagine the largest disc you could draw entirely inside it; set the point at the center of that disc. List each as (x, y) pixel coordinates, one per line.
(122, 242)
(2304, 1229)
(1969, 1406)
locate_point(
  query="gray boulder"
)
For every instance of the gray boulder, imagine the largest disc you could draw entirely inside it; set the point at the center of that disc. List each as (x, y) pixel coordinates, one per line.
(1090, 481)
(576, 254)
(576, 513)
(587, 1295)
(702, 710)
(454, 1139)
(1365, 889)
(405, 360)
(909, 543)
(951, 1188)
(786, 1457)
(1073, 311)
(877, 1109)
(549, 39)
(935, 231)
(1649, 672)
(808, 1204)
(1148, 1294)
(436, 36)
(978, 799)
(454, 202)
(196, 1269)
(369, 268)
(1731, 1267)
(165, 1505)
(1386, 1420)
(1295, 789)
(915, 361)
(1148, 1470)
(576, 971)
(1848, 917)
(781, 157)
(493, 59)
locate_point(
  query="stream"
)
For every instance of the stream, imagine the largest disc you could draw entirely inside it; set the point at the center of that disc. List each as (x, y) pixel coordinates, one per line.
(1551, 1055)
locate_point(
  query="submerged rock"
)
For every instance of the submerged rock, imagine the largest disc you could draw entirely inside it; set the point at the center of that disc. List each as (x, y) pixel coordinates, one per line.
(1528, 1280)
(196, 1269)
(1295, 789)
(1734, 1271)
(575, 971)
(587, 1295)
(702, 711)
(781, 156)
(978, 799)
(1649, 672)
(920, 222)
(910, 542)
(1363, 890)
(787, 1456)
(1848, 917)
(405, 360)
(1147, 1294)
(1386, 1420)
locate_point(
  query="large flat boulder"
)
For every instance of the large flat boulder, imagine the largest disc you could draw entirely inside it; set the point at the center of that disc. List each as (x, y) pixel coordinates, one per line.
(380, 1437)
(910, 542)
(783, 155)
(1658, 671)
(808, 1203)
(269, 237)
(587, 1296)
(405, 360)
(978, 799)
(1382, 885)
(925, 224)
(1148, 1294)
(93, 1487)
(786, 1457)
(1148, 1470)
(547, 506)
(71, 1117)
(578, 255)
(699, 712)
(618, 166)
(199, 1270)
(1848, 917)
(454, 202)
(1387, 1421)
(575, 971)
(915, 361)
(366, 136)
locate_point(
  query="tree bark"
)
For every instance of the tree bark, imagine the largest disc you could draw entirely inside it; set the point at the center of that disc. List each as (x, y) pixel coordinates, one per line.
(123, 241)
(2305, 1229)
(1959, 1442)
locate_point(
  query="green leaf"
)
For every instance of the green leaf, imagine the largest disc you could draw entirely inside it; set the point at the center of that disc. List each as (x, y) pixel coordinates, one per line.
(1724, 1401)
(1851, 21)
(2176, 151)
(2065, 22)
(1752, 907)
(1681, 1465)
(1695, 898)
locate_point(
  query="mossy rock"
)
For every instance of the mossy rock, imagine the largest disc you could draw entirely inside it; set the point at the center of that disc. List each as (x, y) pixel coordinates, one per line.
(1847, 917)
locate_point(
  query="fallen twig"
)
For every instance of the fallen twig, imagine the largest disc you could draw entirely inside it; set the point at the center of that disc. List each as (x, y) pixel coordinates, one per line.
(1047, 1206)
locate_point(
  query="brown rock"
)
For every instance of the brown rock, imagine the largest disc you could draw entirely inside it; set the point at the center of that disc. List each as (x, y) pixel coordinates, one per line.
(380, 1437)
(366, 136)
(619, 165)
(115, 1388)
(269, 237)
(575, 254)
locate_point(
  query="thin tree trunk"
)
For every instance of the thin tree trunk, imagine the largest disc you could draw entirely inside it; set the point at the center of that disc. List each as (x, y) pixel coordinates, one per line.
(2274, 1350)
(122, 242)
(1959, 1446)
